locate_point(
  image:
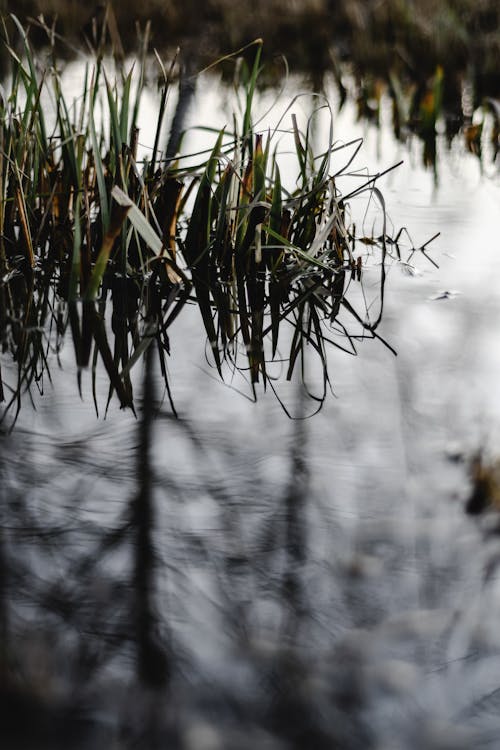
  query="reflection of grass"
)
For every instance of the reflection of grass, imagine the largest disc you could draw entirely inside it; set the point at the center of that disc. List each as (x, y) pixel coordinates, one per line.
(83, 220)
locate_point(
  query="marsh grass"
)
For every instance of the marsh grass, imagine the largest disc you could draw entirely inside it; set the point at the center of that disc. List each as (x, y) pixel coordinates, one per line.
(110, 246)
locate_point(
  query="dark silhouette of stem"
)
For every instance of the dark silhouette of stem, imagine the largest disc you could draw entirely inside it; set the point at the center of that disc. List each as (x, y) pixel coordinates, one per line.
(187, 90)
(152, 662)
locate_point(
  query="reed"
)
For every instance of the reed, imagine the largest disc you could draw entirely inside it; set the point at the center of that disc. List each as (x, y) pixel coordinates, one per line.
(111, 247)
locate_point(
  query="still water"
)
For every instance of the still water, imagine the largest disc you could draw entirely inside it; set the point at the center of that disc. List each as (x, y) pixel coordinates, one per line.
(316, 582)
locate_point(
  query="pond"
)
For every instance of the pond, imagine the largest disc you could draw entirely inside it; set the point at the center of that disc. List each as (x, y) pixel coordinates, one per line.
(303, 582)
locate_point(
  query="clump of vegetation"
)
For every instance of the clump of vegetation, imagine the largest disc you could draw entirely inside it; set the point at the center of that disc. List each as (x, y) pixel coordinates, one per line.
(112, 246)
(485, 485)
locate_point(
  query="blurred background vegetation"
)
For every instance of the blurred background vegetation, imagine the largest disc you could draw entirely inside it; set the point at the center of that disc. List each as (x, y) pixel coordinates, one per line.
(410, 37)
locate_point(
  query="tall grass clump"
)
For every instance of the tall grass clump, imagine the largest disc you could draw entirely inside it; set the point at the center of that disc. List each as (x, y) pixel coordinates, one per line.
(110, 246)
(64, 246)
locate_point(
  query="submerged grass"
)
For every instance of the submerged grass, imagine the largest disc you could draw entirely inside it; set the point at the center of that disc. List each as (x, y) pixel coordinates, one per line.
(95, 240)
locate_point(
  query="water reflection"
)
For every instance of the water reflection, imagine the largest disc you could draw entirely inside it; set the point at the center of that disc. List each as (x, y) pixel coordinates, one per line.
(233, 578)
(225, 580)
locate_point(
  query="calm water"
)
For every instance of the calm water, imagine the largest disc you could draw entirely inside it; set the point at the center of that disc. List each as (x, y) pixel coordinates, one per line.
(316, 583)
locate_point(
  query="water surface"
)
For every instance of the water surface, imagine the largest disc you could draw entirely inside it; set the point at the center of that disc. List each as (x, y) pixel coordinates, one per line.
(313, 579)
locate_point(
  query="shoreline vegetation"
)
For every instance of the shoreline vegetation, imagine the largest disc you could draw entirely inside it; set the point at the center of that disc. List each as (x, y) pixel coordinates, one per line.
(382, 39)
(109, 247)
(417, 34)
(438, 62)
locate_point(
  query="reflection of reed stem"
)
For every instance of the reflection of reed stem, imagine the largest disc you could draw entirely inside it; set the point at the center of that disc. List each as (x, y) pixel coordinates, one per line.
(151, 659)
(295, 520)
(3, 573)
(187, 89)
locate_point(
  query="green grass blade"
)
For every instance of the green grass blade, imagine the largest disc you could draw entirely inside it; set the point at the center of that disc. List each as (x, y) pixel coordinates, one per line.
(98, 165)
(247, 119)
(197, 243)
(125, 109)
(76, 262)
(115, 125)
(117, 219)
